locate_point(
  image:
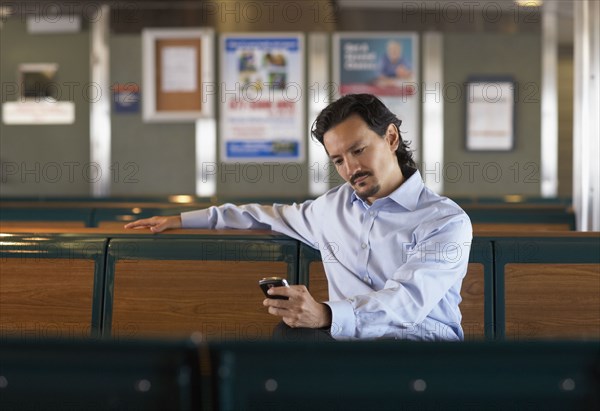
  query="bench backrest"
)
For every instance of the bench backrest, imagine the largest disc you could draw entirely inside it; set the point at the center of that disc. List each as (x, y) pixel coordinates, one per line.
(99, 375)
(179, 286)
(548, 287)
(50, 286)
(517, 285)
(392, 375)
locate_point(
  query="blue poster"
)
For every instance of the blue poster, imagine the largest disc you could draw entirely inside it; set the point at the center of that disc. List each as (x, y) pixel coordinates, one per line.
(382, 65)
(126, 98)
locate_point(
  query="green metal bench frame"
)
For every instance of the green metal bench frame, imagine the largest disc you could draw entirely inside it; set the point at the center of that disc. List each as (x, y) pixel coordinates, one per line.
(393, 375)
(93, 374)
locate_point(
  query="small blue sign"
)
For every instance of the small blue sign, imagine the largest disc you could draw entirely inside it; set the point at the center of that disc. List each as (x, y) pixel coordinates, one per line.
(126, 98)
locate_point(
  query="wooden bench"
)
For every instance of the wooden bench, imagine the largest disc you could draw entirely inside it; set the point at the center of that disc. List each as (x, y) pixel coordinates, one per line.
(518, 217)
(79, 214)
(55, 282)
(35, 214)
(484, 228)
(548, 286)
(112, 214)
(203, 281)
(51, 286)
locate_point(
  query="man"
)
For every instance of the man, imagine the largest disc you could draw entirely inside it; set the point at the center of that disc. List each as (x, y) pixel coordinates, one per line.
(394, 252)
(394, 67)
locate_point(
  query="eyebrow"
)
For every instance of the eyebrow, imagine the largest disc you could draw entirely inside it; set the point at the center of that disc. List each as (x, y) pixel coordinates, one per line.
(352, 147)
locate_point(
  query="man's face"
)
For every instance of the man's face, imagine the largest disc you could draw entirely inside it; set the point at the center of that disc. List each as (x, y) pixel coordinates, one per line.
(364, 159)
(394, 50)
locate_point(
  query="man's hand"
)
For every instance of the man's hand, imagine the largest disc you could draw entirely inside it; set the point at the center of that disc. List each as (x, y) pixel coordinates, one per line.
(156, 224)
(300, 309)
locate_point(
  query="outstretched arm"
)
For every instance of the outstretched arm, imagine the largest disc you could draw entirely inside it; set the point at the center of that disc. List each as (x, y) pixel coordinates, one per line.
(297, 221)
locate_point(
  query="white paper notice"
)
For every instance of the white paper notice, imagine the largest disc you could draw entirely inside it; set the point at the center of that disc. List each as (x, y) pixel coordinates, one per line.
(38, 112)
(179, 68)
(490, 116)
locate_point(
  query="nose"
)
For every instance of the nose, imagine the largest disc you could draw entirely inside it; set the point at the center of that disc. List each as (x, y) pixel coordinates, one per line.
(351, 167)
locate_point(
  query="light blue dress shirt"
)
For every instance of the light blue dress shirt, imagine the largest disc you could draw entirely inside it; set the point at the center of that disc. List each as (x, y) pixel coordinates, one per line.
(394, 268)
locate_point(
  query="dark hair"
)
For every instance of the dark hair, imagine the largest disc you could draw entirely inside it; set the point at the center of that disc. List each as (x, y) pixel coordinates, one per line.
(377, 116)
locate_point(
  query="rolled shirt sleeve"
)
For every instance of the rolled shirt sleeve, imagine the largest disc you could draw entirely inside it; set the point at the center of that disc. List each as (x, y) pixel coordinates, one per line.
(195, 219)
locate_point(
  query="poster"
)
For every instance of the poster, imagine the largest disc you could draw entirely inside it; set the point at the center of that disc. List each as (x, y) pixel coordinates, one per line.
(262, 109)
(386, 65)
(490, 115)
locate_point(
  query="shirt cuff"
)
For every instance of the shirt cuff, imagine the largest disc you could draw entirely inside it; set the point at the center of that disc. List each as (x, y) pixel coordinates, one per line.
(343, 323)
(195, 219)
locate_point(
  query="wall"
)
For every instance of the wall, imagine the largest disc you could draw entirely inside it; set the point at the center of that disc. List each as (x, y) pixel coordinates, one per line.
(565, 122)
(47, 160)
(158, 159)
(152, 159)
(493, 173)
(166, 165)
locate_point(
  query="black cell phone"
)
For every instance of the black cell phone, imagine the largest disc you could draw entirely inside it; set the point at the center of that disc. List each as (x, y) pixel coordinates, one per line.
(269, 282)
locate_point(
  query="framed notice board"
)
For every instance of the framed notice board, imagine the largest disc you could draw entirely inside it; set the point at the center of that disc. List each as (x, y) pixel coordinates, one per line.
(178, 74)
(490, 114)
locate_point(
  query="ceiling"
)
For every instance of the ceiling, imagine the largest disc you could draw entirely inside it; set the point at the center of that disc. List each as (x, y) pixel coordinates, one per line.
(170, 12)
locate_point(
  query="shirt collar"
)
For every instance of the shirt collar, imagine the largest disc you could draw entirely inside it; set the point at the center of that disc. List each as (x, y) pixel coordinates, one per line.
(407, 195)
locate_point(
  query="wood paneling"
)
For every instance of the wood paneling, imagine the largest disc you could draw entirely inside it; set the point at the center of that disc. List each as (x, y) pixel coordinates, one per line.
(18, 225)
(552, 301)
(473, 301)
(219, 299)
(317, 282)
(511, 228)
(44, 298)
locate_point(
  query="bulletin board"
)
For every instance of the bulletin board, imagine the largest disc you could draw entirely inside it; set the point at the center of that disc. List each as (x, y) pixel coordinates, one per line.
(178, 74)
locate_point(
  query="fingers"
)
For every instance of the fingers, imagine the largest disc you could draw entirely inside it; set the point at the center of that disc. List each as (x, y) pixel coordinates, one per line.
(160, 225)
(276, 303)
(300, 309)
(290, 291)
(279, 291)
(143, 223)
(277, 307)
(156, 224)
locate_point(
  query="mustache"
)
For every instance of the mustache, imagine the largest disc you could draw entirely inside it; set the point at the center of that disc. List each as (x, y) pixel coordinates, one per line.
(358, 175)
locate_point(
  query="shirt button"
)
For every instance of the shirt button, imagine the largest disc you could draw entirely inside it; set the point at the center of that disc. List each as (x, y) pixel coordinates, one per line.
(371, 213)
(366, 279)
(363, 246)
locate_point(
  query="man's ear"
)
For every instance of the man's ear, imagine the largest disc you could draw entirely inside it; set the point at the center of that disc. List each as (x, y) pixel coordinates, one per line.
(392, 136)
